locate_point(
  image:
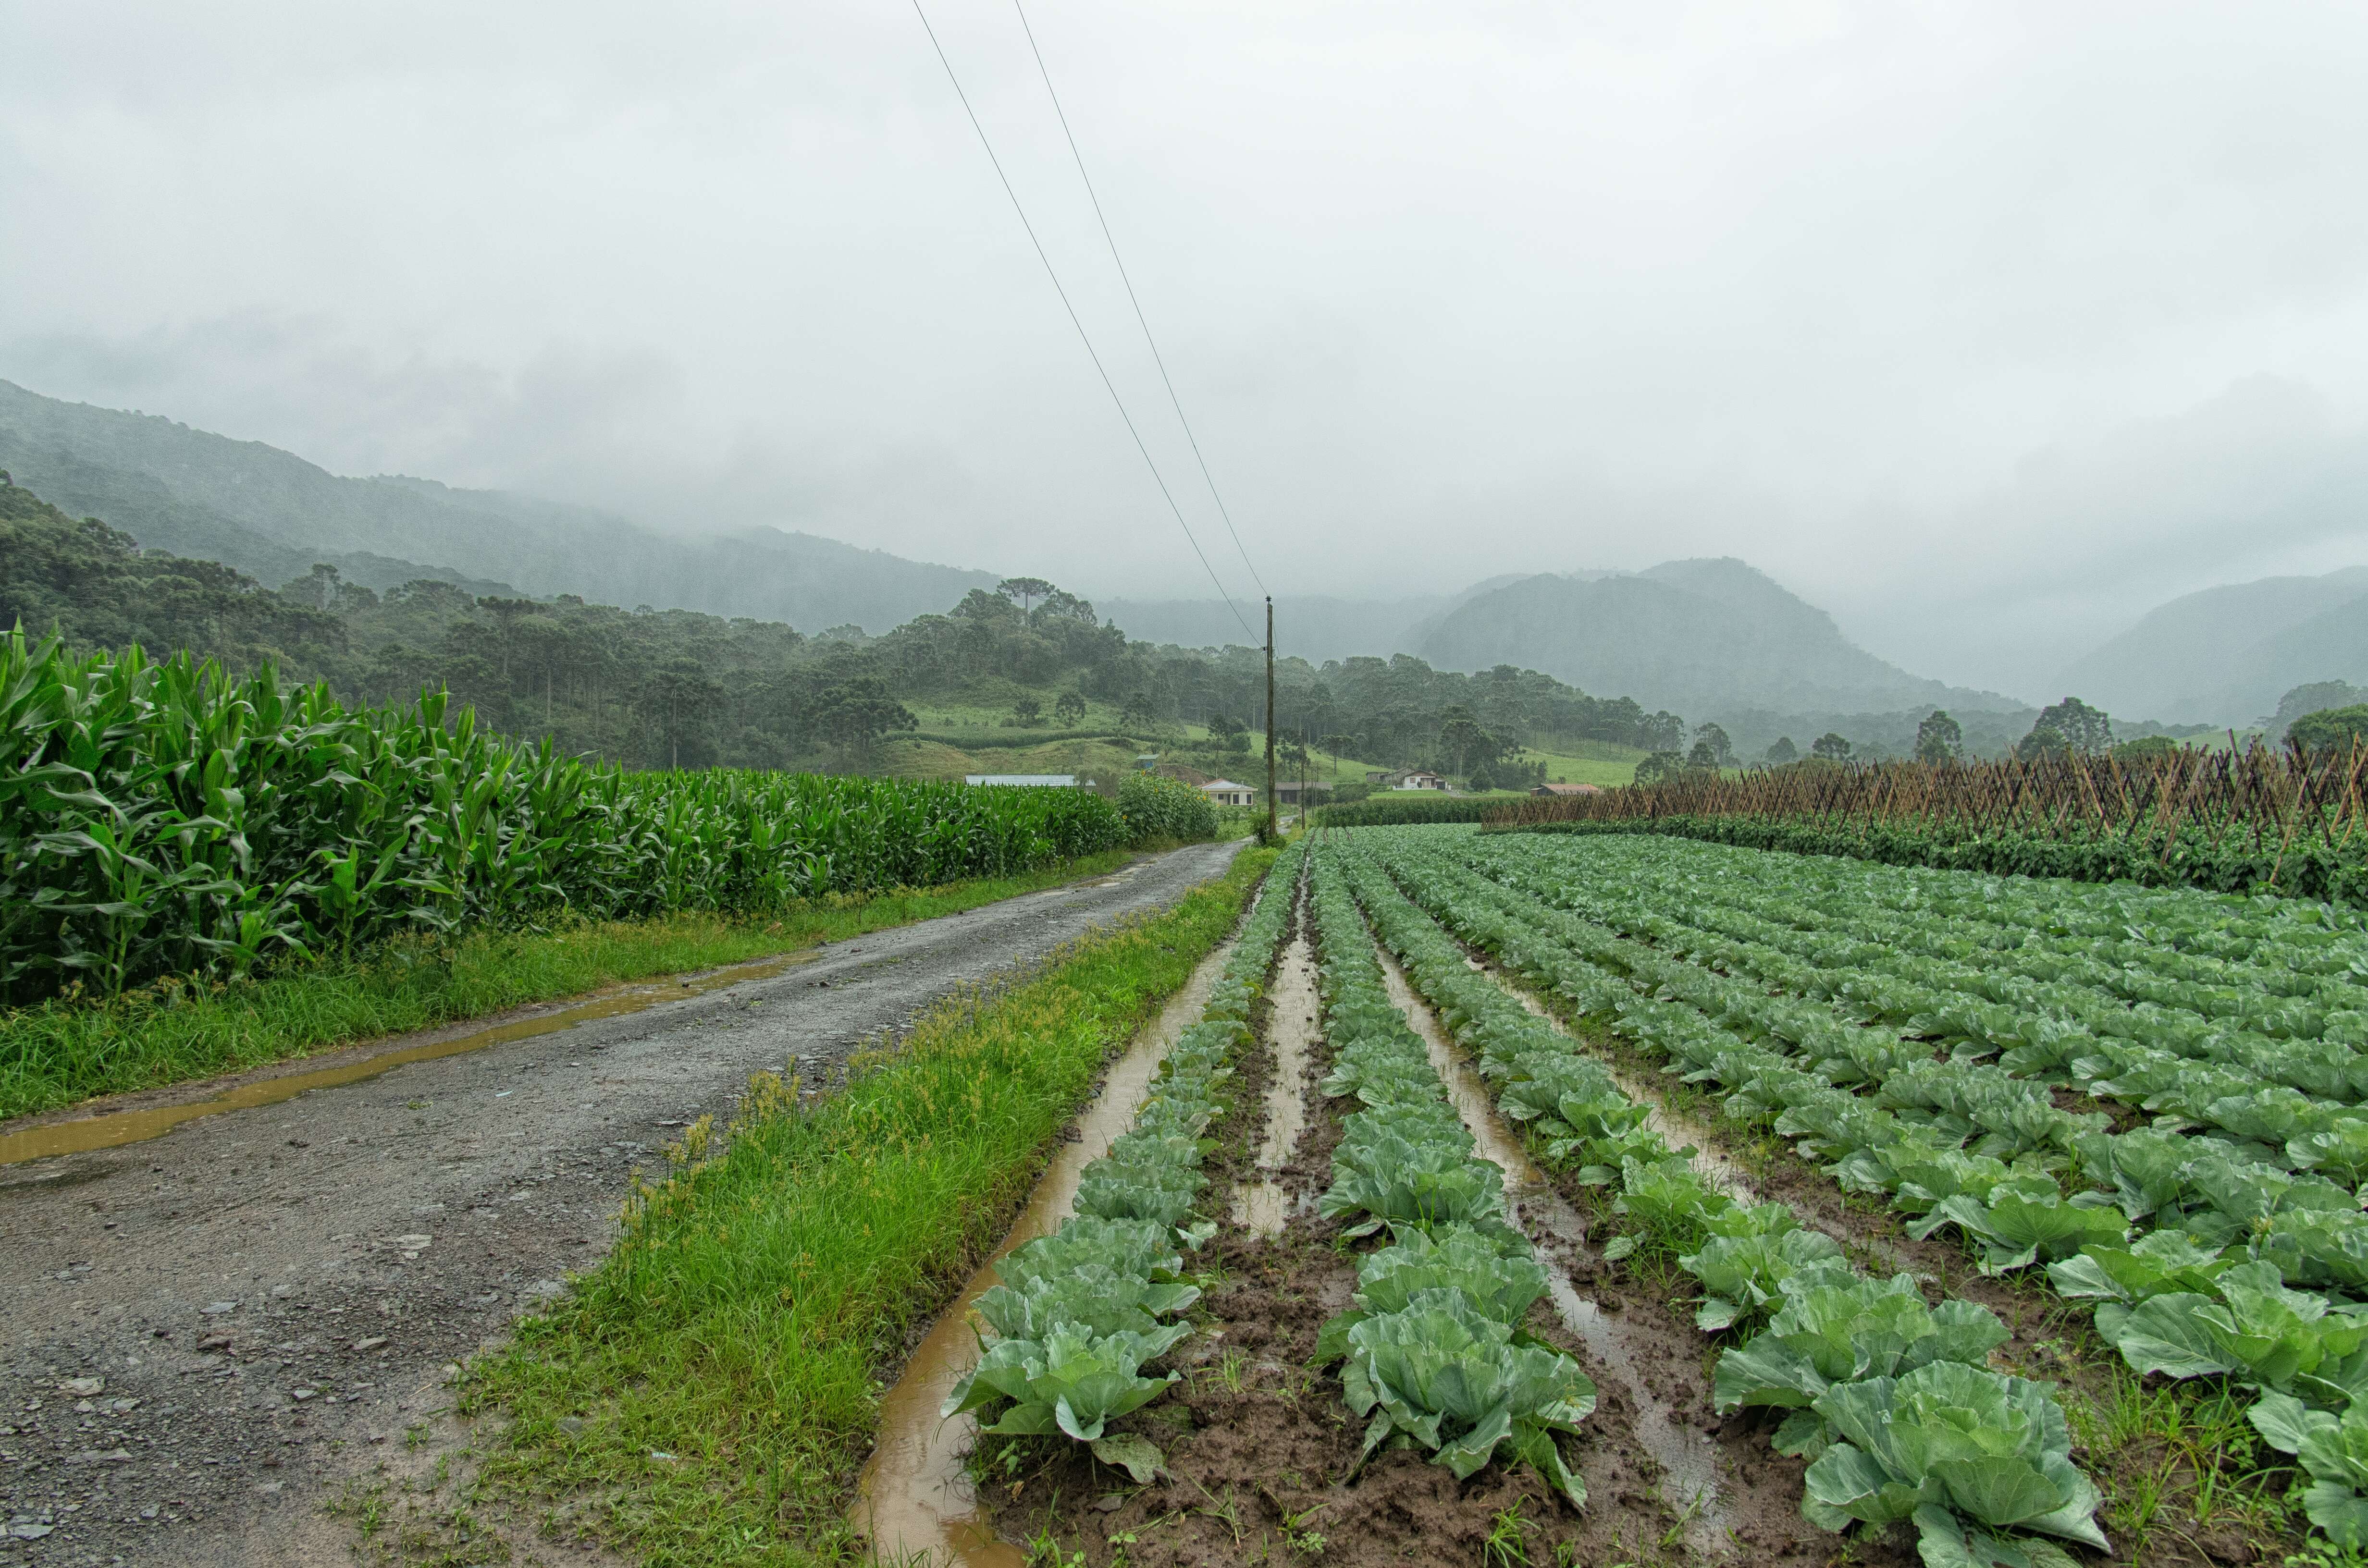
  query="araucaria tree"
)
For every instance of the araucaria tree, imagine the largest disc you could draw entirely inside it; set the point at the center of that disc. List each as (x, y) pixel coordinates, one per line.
(2071, 725)
(1831, 746)
(1940, 738)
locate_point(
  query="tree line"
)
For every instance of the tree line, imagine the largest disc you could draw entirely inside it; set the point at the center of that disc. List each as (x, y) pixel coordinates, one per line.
(672, 688)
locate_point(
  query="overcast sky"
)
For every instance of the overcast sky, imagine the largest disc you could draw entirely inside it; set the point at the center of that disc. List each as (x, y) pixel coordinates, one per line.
(1984, 325)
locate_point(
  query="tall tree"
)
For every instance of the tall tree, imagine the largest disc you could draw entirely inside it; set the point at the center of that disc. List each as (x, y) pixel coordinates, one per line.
(1025, 591)
(1783, 751)
(2071, 726)
(1940, 738)
(1831, 746)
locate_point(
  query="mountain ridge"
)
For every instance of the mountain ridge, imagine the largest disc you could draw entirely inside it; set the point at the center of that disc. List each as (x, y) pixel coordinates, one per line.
(272, 514)
(2225, 654)
(1704, 637)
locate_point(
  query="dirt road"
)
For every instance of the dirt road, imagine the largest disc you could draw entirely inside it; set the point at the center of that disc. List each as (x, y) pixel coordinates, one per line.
(203, 1335)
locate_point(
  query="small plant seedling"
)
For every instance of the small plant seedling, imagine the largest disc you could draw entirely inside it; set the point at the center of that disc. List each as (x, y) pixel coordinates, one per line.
(1507, 1545)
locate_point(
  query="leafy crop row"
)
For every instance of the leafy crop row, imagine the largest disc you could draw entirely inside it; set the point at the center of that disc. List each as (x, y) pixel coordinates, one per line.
(2247, 1266)
(1433, 1351)
(1891, 1400)
(166, 818)
(1080, 1313)
(2234, 822)
(2132, 1018)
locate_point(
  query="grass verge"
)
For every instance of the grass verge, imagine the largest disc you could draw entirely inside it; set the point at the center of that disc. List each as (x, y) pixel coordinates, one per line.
(707, 1394)
(69, 1050)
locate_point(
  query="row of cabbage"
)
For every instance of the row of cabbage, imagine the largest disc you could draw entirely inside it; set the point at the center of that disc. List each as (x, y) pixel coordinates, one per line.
(1432, 1349)
(2124, 1014)
(1891, 1400)
(2244, 1267)
(1078, 1313)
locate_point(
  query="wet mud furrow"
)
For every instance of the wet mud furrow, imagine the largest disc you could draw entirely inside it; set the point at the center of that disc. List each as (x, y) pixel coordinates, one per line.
(914, 1495)
(1872, 1233)
(1668, 1393)
(1262, 1453)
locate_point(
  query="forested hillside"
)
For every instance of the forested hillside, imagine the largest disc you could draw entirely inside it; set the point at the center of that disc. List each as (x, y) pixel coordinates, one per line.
(272, 515)
(678, 687)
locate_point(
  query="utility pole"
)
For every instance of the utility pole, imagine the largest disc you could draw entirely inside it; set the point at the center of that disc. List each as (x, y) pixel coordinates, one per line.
(1270, 717)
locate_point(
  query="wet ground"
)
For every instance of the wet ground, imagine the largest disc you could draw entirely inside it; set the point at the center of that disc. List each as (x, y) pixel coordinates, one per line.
(206, 1335)
(1263, 1452)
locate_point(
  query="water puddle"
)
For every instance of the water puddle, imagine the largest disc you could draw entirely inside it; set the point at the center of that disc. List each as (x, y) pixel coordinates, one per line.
(914, 1499)
(1677, 1129)
(1263, 1208)
(1689, 1465)
(110, 1129)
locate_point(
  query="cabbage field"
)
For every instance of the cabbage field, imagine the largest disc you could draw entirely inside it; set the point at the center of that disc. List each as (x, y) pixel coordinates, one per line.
(1974, 1220)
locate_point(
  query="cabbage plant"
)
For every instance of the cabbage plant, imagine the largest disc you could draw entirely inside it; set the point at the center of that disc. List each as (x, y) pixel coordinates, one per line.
(1951, 1437)
(1443, 1376)
(2333, 1451)
(2259, 1332)
(1073, 1383)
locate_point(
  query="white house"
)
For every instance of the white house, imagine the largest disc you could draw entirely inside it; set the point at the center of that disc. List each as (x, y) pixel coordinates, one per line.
(1420, 781)
(1225, 792)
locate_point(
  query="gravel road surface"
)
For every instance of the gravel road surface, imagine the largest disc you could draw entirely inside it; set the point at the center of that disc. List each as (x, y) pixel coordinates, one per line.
(203, 1336)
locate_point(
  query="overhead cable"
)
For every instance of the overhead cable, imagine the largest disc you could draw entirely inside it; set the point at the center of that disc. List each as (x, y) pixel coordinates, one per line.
(1156, 359)
(1083, 336)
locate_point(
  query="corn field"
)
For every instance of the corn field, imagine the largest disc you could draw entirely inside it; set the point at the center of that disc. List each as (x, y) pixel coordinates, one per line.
(167, 818)
(2252, 821)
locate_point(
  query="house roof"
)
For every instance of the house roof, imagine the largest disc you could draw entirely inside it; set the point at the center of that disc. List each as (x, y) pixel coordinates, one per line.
(1223, 784)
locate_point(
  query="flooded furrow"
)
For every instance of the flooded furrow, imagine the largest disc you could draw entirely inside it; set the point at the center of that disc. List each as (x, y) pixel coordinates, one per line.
(1688, 1462)
(1677, 1129)
(914, 1499)
(1263, 1207)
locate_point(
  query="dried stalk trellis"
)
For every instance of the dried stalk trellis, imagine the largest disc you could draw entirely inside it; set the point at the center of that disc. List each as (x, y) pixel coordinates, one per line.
(2280, 804)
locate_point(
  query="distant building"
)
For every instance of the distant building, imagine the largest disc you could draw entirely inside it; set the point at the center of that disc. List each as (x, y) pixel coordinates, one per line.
(1225, 792)
(1565, 790)
(1026, 781)
(1417, 780)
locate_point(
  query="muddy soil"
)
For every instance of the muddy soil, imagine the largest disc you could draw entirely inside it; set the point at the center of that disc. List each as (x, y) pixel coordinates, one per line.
(2052, 1339)
(1260, 1450)
(265, 1298)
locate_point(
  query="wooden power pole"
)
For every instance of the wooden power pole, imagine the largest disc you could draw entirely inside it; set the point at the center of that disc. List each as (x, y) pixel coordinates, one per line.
(1270, 717)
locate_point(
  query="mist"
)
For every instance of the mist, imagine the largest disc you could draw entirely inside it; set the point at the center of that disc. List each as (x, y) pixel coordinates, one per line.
(1986, 327)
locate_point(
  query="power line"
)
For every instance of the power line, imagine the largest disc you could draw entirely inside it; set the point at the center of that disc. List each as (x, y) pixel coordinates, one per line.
(1082, 336)
(1177, 403)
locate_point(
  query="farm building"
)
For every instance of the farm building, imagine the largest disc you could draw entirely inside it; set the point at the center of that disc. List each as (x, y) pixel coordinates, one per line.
(1417, 780)
(1225, 792)
(1029, 780)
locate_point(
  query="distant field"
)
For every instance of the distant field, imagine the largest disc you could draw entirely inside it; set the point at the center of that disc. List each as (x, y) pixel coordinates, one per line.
(1600, 763)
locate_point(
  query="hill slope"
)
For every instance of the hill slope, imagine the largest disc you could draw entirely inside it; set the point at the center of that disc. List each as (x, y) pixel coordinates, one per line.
(272, 515)
(2225, 656)
(1702, 637)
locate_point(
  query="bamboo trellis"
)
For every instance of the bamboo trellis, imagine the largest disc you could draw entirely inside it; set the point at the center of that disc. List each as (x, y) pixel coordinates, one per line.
(2276, 800)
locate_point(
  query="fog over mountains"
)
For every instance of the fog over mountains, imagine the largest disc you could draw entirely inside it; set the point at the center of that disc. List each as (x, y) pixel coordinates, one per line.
(272, 515)
(1713, 638)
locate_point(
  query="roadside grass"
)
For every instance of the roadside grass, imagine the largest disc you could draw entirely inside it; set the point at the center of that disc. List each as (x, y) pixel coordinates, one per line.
(72, 1048)
(707, 1394)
